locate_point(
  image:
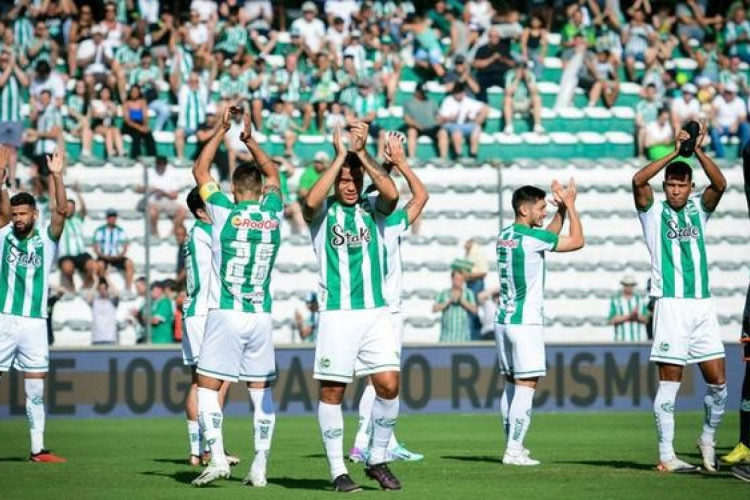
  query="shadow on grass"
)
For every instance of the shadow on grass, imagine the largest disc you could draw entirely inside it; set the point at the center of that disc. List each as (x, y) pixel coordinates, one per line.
(14, 459)
(295, 483)
(611, 464)
(315, 455)
(187, 476)
(175, 461)
(473, 458)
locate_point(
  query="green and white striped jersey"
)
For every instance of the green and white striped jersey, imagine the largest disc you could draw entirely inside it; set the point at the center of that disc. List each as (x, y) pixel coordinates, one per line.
(197, 269)
(10, 100)
(48, 119)
(395, 226)
(349, 246)
(25, 266)
(233, 37)
(192, 103)
(72, 242)
(630, 331)
(676, 242)
(455, 325)
(127, 56)
(23, 31)
(520, 262)
(245, 240)
(233, 87)
(293, 81)
(111, 240)
(143, 76)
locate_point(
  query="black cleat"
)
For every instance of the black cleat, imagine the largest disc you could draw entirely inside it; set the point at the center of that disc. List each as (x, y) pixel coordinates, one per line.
(742, 472)
(345, 484)
(383, 475)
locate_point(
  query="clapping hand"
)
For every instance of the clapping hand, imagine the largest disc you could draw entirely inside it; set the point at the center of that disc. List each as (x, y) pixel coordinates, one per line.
(359, 137)
(338, 142)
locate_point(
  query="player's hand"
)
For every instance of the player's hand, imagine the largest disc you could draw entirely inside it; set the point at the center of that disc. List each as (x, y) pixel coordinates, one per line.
(359, 137)
(247, 132)
(394, 148)
(681, 137)
(558, 194)
(226, 117)
(4, 157)
(569, 193)
(338, 142)
(701, 133)
(455, 295)
(56, 162)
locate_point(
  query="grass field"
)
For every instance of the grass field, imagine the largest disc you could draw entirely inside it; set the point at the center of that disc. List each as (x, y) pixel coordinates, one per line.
(596, 456)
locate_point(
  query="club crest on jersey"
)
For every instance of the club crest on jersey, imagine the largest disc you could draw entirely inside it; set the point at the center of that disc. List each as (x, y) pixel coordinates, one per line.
(240, 222)
(19, 258)
(682, 233)
(351, 239)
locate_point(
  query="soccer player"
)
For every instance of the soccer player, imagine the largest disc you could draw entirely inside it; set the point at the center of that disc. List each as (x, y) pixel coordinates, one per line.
(354, 333)
(27, 255)
(686, 328)
(741, 452)
(238, 342)
(519, 329)
(396, 225)
(197, 251)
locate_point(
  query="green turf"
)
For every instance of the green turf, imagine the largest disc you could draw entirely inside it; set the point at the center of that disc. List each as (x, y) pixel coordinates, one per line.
(596, 456)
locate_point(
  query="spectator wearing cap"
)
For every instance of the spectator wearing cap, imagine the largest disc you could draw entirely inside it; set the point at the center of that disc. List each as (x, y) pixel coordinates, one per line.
(111, 248)
(47, 131)
(421, 118)
(646, 111)
(291, 82)
(534, 44)
(461, 73)
(365, 109)
(628, 313)
(522, 96)
(729, 119)
(492, 61)
(148, 75)
(462, 117)
(428, 54)
(162, 315)
(12, 83)
(311, 29)
(658, 136)
(311, 175)
(135, 123)
(192, 100)
(163, 190)
(336, 37)
(97, 67)
(306, 321)
(737, 35)
(685, 108)
(233, 40)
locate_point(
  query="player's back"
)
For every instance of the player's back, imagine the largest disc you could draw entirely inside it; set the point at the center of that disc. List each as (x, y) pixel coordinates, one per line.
(197, 252)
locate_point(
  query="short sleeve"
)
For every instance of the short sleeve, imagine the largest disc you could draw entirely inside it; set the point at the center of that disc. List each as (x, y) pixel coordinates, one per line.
(469, 296)
(612, 309)
(398, 219)
(704, 213)
(272, 202)
(546, 241)
(123, 236)
(218, 205)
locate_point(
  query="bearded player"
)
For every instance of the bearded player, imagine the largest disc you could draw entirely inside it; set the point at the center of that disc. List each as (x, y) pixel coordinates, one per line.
(396, 225)
(27, 255)
(686, 327)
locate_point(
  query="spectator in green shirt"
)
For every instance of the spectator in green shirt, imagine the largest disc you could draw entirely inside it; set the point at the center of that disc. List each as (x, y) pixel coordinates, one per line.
(162, 315)
(455, 304)
(311, 175)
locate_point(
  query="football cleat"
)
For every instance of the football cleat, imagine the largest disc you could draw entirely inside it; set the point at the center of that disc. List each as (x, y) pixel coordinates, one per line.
(741, 472)
(677, 466)
(359, 455)
(708, 453)
(46, 456)
(383, 475)
(739, 454)
(400, 453)
(211, 474)
(519, 457)
(345, 484)
(256, 476)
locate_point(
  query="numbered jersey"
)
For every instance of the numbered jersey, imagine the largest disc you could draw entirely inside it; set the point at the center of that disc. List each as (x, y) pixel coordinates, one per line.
(197, 269)
(245, 239)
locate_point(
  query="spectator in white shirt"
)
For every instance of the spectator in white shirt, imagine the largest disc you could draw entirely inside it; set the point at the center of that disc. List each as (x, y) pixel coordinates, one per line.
(104, 304)
(47, 79)
(163, 190)
(658, 136)
(336, 38)
(341, 8)
(462, 117)
(685, 108)
(311, 29)
(729, 118)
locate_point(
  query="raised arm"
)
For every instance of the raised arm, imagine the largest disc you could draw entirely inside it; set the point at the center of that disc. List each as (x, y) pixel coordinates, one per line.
(313, 203)
(642, 192)
(56, 163)
(556, 225)
(387, 191)
(202, 167)
(419, 195)
(4, 196)
(713, 193)
(574, 240)
(265, 164)
(81, 203)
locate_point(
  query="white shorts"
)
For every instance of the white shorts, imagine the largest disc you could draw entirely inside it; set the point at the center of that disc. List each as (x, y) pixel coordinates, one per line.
(355, 343)
(397, 328)
(23, 344)
(686, 331)
(193, 329)
(238, 346)
(520, 350)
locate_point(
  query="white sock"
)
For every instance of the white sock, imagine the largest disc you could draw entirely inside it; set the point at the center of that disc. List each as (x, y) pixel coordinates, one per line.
(264, 418)
(194, 437)
(384, 415)
(519, 416)
(331, 422)
(364, 432)
(35, 412)
(714, 403)
(393, 443)
(664, 404)
(505, 401)
(210, 418)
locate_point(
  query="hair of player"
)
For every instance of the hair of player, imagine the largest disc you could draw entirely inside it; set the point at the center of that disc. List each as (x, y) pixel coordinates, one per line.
(352, 161)
(247, 178)
(526, 194)
(195, 202)
(23, 199)
(678, 170)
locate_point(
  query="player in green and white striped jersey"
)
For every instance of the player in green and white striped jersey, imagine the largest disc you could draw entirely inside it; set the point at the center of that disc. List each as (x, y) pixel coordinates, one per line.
(348, 231)
(519, 332)
(238, 343)
(27, 254)
(686, 328)
(396, 225)
(628, 313)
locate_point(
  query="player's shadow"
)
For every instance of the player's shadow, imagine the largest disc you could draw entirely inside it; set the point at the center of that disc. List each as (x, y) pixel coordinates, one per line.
(183, 476)
(14, 459)
(611, 464)
(295, 483)
(175, 461)
(473, 458)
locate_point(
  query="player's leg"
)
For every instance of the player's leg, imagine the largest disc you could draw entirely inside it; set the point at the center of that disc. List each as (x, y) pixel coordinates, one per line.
(670, 378)
(364, 432)
(191, 337)
(505, 365)
(505, 400)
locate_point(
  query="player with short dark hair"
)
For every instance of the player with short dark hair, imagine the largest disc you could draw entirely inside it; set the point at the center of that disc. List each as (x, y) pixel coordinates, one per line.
(686, 327)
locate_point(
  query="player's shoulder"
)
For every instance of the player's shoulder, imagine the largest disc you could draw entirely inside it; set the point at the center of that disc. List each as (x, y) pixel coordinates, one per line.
(397, 217)
(536, 233)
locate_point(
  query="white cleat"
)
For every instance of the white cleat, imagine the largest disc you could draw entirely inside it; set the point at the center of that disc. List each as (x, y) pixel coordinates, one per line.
(708, 452)
(677, 466)
(519, 457)
(256, 476)
(212, 473)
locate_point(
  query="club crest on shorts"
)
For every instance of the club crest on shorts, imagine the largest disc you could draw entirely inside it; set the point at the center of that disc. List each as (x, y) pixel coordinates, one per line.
(324, 362)
(664, 346)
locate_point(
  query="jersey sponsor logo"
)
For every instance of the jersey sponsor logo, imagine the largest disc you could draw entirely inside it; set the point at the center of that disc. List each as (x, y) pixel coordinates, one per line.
(682, 233)
(241, 222)
(507, 243)
(255, 297)
(351, 239)
(19, 258)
